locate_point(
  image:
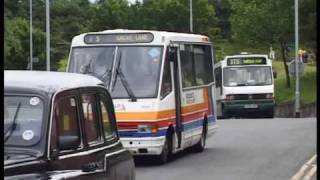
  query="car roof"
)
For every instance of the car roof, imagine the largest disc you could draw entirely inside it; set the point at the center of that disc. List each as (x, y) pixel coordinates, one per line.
(47, 81)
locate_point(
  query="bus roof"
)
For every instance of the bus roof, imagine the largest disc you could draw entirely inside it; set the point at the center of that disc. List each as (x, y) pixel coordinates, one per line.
(159, 37)
(247, 55)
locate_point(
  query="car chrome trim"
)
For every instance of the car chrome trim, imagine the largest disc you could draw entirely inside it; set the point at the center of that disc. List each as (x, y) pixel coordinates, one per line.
(89, 151)
(111, 154)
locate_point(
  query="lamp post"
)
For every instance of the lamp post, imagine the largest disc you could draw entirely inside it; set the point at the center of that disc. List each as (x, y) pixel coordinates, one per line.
(48, 34)
(191, 23)
(31, 41)
(297, 93)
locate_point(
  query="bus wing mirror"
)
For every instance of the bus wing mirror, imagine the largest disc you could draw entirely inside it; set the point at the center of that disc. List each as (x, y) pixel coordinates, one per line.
(172, 54)
(274, 74)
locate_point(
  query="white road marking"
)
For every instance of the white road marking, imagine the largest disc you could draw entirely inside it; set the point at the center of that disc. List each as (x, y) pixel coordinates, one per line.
(302, 171)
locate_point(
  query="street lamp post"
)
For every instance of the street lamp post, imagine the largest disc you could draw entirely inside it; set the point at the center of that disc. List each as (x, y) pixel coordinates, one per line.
(48, 34)
(31, 41)
(191, 23)
(297, 93)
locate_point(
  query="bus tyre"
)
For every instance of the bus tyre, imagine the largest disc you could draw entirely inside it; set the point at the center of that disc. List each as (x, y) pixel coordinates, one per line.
(199, 147)
(166, 151)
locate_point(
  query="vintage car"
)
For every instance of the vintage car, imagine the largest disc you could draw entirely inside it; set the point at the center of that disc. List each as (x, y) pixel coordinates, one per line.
(61, 126)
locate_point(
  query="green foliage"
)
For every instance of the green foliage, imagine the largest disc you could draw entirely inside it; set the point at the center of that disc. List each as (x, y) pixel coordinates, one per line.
(110, 14)
(308, 86)
(16, 42)
(62, 65)
(255, 24)
(259, 21)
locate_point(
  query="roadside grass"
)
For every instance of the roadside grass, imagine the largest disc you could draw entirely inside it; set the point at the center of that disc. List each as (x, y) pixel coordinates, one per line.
(308, 86)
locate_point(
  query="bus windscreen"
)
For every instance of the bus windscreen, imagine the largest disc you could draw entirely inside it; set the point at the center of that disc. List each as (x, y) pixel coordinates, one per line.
(247, 76)
(139, 66)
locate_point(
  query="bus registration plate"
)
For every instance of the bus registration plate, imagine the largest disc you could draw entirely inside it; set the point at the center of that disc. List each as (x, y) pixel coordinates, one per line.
(251, 106)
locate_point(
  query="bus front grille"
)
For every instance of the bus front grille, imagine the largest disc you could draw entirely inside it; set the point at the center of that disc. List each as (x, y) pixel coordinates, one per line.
(249, 96)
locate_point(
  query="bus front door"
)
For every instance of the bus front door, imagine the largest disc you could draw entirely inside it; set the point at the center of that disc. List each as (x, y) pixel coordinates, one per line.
(173, 53)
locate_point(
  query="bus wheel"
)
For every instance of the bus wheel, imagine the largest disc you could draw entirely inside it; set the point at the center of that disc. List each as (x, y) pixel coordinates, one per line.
(199, 147)
(166, 151)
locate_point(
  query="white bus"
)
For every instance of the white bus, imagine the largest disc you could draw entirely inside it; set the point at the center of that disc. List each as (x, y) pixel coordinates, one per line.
(161, 84)
(244, 86)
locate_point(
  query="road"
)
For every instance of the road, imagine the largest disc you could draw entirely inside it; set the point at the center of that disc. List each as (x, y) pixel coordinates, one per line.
(242, 149)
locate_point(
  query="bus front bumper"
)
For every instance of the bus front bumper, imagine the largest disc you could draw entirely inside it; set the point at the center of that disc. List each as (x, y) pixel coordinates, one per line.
(243, 107)
(144, 146)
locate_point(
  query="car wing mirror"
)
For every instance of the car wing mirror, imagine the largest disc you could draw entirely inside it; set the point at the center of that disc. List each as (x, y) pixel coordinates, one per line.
(68, 142)
(172, 53)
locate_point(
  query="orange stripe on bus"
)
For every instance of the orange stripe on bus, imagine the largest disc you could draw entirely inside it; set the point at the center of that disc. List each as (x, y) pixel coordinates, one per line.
(158, 114)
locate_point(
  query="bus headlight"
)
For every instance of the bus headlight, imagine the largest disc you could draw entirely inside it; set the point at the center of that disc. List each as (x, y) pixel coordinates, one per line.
(229, 97)
(146, 128)
(269, 96)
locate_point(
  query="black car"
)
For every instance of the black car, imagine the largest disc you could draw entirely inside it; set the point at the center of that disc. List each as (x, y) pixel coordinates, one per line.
(61, 126)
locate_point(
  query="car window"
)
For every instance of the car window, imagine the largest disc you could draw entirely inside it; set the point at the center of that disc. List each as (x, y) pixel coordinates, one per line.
(91, 120)
(67, 119)
(109, 130)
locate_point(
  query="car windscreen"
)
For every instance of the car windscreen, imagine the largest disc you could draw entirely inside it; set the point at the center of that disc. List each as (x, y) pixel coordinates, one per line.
(247, 76)
(23, 119)
(133, 70)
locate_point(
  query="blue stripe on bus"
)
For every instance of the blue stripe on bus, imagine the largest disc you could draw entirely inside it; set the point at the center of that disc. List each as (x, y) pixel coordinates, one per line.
(186, 127)
(162, 132)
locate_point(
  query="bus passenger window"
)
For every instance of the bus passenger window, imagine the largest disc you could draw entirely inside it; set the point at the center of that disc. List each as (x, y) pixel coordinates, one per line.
(166, 86)
(187, 66)
(203, 64)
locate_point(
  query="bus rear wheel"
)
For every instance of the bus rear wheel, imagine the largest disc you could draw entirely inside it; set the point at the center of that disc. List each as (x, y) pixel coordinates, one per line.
(199, 147)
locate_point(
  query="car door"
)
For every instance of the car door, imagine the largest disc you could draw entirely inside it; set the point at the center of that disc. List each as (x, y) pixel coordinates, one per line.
(73, 154)
(116, 156)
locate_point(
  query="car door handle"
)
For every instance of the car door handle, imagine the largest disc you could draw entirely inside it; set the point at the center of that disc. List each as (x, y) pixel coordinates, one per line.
(89, 167)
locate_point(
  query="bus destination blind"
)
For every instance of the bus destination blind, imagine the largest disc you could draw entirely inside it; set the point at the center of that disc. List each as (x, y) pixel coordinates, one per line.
(118, 38)
(245, 61)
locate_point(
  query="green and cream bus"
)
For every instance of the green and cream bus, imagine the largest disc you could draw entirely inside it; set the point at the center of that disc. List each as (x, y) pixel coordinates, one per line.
(244, 86)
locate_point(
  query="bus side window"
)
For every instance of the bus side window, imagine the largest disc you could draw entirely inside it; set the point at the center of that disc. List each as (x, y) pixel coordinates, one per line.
(203, 64)
(218, 78)
(187, 66)
(166, 86)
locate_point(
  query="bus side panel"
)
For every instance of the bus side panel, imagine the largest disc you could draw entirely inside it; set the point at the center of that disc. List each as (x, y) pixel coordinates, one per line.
(196, 108)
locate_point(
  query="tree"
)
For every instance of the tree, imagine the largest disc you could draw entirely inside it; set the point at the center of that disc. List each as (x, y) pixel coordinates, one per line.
(264, 22)
(111, 14)
(68, 19)
(307, 24)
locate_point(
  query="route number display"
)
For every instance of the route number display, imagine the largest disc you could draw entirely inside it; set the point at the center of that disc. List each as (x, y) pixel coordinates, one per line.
(246, 61)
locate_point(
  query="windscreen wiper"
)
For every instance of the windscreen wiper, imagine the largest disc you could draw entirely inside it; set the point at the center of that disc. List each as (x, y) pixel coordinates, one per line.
(13, 126)
(107, 75)
(123, 81)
